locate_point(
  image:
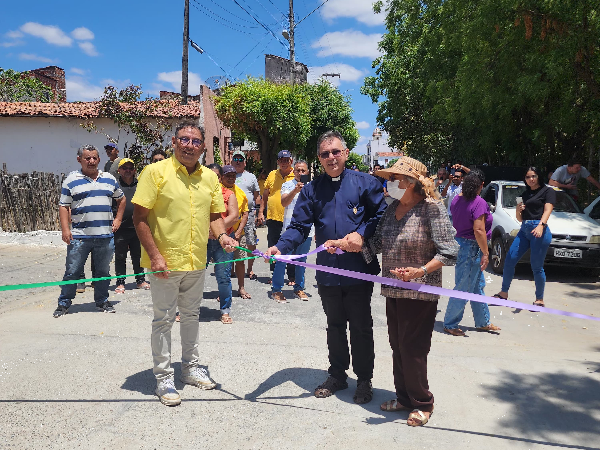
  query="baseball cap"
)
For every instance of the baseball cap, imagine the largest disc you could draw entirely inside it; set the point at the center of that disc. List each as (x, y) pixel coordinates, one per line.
(228, 169)
(238, 153)
(110, 144)
(126, 160)
(284, 154)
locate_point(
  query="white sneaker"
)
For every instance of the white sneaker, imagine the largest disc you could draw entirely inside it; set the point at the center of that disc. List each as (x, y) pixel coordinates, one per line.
(167, 393)
(198, 377)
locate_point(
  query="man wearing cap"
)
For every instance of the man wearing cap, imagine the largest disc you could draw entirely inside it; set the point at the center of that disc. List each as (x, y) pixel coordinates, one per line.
(345, 207)
(125, 237)
(176, 201)
(272, 198)
(249, 184)
(112, 165)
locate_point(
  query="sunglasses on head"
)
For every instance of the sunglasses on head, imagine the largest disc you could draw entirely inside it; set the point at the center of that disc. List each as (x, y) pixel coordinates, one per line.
(335, 153)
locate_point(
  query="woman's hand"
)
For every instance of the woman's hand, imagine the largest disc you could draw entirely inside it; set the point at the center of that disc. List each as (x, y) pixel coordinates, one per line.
(521, 207)
(538, 231)
(407, 273)
(485, 260)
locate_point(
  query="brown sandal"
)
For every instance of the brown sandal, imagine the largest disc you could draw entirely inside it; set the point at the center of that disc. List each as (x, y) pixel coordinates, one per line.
(226, 319)
(330, 387)
(418, 417)
(490, 327)
(455, 331)
(393, 405)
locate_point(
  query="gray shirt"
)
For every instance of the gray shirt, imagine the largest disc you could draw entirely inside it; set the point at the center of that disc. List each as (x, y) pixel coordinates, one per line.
(563, 177)
(112, 167)
(249, 184)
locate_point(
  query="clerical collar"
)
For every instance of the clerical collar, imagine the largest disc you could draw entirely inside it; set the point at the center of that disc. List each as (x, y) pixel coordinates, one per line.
(339, 177)
(336, 179)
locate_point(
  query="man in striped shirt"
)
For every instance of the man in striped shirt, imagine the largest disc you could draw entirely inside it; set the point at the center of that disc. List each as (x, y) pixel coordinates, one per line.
(86, 198)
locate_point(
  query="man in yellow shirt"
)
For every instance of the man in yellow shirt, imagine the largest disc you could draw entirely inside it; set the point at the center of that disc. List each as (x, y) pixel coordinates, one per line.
(229, 179)
(176, 201)
(272, 198)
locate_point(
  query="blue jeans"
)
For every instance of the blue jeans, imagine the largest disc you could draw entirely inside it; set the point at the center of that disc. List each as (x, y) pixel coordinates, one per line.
(102, 250)
(468, 277)
(539, 246)
(279, 271)
(222, 273)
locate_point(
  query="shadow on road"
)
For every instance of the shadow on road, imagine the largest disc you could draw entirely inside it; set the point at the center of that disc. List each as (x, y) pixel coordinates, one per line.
(305, 378)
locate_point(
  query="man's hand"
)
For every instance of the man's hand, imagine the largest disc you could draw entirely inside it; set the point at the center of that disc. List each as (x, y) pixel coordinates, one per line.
(227, 243)
(260, 219)
(116, 224)
(333, 244)
(67, 237)
(298, 187)
(352, 242)
(238, 234)
(273, 251)
(158, 264)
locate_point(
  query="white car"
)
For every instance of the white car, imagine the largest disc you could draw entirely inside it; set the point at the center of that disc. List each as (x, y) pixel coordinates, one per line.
(593, 210)
(575, 236)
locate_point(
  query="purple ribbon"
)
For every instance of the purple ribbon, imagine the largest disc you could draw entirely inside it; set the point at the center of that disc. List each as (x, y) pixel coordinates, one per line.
(494, 301)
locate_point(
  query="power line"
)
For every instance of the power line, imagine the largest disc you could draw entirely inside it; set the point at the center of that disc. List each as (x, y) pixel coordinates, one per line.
(274, 18)
(259, 55)
(259, 22)
(222, 21)
(280, 12)
(250, 51)
(230, 13)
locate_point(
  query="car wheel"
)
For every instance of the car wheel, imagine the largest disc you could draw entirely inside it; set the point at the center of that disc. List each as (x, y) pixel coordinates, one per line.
(498, 255)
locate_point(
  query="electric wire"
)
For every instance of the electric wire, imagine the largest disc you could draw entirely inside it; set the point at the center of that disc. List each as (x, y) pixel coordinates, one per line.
(221, 19)
(259, 22)
(230, 13)
(256, 45)
(274, 18)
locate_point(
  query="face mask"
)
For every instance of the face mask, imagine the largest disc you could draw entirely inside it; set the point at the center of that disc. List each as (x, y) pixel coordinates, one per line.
(394, 191)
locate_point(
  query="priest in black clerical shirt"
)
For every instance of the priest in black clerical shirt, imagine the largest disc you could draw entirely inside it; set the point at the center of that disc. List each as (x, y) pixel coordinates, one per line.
(345, 207)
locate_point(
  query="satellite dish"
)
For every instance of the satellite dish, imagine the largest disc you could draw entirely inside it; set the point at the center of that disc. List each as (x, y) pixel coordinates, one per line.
(216, 82)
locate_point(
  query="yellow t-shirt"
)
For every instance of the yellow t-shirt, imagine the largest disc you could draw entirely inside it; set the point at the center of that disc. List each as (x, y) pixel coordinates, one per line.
(180, 206)
(242, 202)
(261, 186)
(273, 183)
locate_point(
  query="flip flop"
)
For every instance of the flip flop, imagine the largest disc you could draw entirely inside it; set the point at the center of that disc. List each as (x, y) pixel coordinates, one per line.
(245, 295)
(226, 319)
(419, 415)
(393, 405)
(252, 276)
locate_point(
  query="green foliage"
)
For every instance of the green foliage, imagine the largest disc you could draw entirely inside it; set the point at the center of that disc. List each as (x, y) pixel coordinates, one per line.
(254, 166)
(217, 155)
(134, 117)
(354, 159)
(23, 87)
(502, 82)
(391, 163)
(284, 116)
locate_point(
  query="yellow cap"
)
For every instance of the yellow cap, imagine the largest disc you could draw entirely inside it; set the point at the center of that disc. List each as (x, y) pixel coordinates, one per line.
(126, 160)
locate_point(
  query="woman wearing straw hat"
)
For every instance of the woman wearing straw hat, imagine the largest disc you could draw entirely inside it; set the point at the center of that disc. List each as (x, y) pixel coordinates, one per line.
(419, 239)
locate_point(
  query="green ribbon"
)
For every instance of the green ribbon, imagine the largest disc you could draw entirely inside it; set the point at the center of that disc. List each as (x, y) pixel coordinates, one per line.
(14, 287)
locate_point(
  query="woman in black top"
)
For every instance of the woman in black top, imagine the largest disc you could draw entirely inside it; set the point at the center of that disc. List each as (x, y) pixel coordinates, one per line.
(533, 213)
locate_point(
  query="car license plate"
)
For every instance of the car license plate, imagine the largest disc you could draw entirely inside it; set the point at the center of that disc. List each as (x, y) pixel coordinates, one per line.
(567, 253)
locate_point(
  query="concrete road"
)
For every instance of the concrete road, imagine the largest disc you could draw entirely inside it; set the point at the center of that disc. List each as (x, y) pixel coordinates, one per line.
(85, 380)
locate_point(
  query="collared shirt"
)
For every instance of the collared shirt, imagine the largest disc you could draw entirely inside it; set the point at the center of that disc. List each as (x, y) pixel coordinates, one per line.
(180, 205)
(286, 188)
(452, 192)
(90, 202)
(242, 202)
(337, 208)
(273, 184)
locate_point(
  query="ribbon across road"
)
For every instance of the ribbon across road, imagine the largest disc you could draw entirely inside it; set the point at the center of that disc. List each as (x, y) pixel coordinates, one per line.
(494, 301)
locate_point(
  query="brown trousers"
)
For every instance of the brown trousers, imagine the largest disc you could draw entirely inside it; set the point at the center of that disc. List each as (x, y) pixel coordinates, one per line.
(410, 326)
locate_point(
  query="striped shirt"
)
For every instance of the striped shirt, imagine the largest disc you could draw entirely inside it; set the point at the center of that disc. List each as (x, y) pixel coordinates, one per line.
(91, 203)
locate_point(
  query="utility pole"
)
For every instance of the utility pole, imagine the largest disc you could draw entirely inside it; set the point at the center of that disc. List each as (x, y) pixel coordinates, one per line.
(184, 58)
(292, 53)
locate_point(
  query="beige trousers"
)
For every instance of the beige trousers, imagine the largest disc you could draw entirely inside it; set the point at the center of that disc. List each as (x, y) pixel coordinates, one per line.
(183, 290)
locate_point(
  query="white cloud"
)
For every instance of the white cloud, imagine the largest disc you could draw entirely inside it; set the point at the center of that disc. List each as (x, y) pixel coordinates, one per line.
(33, 57)
(82, 34)
(80, 89)
(88, 48)
(119, 84)
(350, 43)
(347, 73)
(14, 34)
(49, 33)
(11, 44)
(174, 79)
(78, 71)
(361, 10)
(362, 126)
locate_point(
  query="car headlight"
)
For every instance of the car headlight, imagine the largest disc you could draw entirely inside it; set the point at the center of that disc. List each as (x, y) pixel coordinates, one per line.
(514, 232)
(595, 240)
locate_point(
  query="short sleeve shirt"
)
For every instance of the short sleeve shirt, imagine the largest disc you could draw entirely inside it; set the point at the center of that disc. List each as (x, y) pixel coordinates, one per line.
(464, 214)
(564, 177)
(452, 192)
(535, 201)
(274, 182)
(249, 184)
(180, 205)
(286, 188)
(91, 203)
(242, 202)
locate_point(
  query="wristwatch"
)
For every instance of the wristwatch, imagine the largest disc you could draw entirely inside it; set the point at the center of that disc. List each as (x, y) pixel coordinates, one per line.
(424, 270)
(543, 224)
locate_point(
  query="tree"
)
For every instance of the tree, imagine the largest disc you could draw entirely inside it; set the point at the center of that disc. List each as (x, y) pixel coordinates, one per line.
(147, 121)
(355, 160)
(292, 117)
(275, 116)
(503, 82)
(22, 87)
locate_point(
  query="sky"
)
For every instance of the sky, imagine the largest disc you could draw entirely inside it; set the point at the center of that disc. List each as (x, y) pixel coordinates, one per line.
(133, 42)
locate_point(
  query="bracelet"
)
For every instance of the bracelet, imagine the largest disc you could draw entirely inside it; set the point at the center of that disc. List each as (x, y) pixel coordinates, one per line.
(219, 237)
(424, 270)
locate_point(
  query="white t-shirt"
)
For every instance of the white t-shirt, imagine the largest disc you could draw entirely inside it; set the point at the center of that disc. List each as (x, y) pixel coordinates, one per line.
(286, 188)
(452, 192)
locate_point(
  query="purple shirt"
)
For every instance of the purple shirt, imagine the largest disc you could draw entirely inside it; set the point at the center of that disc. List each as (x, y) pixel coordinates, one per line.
(464, 213)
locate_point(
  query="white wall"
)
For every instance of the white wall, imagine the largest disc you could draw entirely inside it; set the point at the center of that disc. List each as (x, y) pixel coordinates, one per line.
(49, 144)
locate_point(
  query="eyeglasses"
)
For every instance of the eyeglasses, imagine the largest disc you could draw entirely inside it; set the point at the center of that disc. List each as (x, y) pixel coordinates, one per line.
(186, 140)
(531, 177)
(238, 159)
(335, 154)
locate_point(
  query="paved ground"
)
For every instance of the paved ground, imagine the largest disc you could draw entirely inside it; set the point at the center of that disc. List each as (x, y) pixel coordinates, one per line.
(85, 381)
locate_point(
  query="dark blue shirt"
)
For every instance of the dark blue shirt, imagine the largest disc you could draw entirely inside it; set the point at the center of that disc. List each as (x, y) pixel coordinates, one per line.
(337, 208)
